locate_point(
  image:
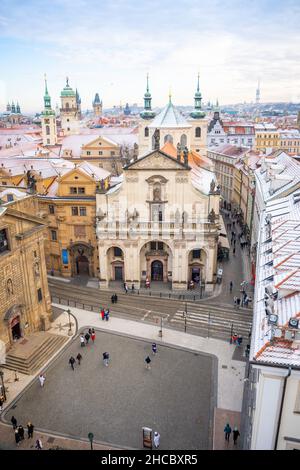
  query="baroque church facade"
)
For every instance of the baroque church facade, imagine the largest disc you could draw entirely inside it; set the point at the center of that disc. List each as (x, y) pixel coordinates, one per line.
(161, 221)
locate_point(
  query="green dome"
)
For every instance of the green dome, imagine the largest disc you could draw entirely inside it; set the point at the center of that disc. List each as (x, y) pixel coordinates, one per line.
(68, 91)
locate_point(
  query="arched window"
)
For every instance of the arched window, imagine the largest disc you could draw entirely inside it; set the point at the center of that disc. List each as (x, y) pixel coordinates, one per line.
(183, 141)
(168, 138)
(146, 131)
(47, 130)
(67, 105)
(198, 132)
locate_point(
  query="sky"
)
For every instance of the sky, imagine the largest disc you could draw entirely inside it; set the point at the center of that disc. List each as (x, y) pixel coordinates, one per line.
(109, 46)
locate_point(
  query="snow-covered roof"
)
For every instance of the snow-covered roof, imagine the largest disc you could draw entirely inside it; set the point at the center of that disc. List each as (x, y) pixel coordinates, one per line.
(169, 118)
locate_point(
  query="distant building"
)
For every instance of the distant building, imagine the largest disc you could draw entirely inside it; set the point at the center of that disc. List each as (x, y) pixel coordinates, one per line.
(97, 106)
(70, 110)
(12, 115)
(266, 137)
(48, 120)
(127, 110)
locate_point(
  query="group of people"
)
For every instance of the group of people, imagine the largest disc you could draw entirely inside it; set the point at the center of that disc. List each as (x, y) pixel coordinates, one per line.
(105, 312)
(20, 432)
(148, 359)
(235, 433)
(84, 341)
(114, 299)
(242, 300)
(236, 339)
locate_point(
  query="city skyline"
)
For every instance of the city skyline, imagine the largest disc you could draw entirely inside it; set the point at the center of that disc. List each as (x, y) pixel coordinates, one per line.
(231, 45)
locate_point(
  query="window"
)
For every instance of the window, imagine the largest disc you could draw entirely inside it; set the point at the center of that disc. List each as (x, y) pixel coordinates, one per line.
(88, 152)
(156, 246)
(53, 235)
(112, 153)
(160, 245)
(47, 130)
(4, 246)
(51, 209)
(39, 294)
(196, 254)
(117, 252)
(198, 132)
(146, 131)
(82, 211)
(4, 183)
(73, 190)
(81, 190)
(74, 210)
(152, 245)
(100, 152)
(67, 105)
(48, 141)
(10, 197)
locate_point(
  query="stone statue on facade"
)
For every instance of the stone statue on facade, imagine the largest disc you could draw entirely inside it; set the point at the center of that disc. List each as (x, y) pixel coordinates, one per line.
(157, 193)
(212, 186)
(186, 156)
(177, 216)
(212, 216)
(178, 151)
(156, 137)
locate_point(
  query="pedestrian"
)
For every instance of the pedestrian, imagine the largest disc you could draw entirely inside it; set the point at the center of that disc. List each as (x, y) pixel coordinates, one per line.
(21, 432)
(87, 338)
(132, 288)
(42, 379)
(126, 288)
(93, 335)
(82, 340)
(230, 286)
(247, 350)
(112, 299)
(105, 358)
(234, 241)
(227, 431)
(1, 402)
(17, 437)
(14, 422)
(30, 428)
(102, 314)
(239, 340)
(38, 444)
(233, 251)
(235, 435)
(235, 300)
(79, 357)
(156, 440)
(148, 362)
(90, 331)
(234, 338)
(72, 362)
(154, 348)
(238, 301)
(116, 298)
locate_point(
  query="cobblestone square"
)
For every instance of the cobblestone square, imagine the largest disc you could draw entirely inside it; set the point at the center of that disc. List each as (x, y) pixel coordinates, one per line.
(176, 397)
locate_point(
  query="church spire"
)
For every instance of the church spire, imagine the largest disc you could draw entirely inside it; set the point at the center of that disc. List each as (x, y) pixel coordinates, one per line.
(47, 99)
(197, 112)
(147, 113)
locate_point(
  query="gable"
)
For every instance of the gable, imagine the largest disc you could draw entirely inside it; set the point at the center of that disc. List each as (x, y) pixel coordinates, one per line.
(95, 144)
(69, 178)
(156, 160)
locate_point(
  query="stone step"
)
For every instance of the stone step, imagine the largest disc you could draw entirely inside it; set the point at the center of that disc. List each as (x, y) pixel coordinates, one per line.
(40, 355)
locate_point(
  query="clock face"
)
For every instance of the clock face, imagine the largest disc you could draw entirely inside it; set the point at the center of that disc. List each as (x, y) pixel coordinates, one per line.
(293, 322)
(273, 318)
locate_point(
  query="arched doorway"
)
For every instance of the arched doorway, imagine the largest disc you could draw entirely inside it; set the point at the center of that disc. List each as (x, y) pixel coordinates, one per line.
(15, 327)
(115, 264)
(197, 265)
(82, 265)
(157, 271)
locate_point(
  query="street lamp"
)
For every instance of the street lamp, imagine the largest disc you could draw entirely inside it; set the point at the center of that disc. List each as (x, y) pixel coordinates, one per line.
(70, 326)
(185, 317)
(2, 385)
(91, 437)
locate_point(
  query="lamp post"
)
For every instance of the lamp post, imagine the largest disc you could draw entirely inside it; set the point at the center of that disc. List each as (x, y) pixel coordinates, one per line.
(91, 437)
(70, 326)
(2, 384)
(185, 317)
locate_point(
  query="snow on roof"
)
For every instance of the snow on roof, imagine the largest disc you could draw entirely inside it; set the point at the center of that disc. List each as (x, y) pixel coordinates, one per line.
(277, 272)
(229, 150)
(170, 117)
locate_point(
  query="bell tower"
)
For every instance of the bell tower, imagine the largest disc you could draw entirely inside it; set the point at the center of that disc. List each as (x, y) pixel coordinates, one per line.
(97, 106)
(48, 120)
(69, 111)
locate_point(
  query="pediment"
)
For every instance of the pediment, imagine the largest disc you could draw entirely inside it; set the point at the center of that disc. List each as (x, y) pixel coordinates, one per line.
(156, 160)
(98, 143)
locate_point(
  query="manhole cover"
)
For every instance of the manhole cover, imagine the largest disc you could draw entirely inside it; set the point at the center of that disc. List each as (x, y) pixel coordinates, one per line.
(51, 440)
(224, 367)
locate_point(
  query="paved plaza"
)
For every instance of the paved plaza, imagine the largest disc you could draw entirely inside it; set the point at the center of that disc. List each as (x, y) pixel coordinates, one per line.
(176, 397)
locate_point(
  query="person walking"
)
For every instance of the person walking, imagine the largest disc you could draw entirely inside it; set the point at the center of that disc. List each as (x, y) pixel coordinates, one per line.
(79, 357)
(148, 362)
(238, 301)
(90, 331)
(235, 435)
(239, 340)
(21, 432)
(116, 298)
(112, 299)
(233, 251)
(102, 314)
(235, 300)
(126, 288)
(154, 348)
(105, 358)
(38, 444)
(106, 314)
(230, 286)
(30, 429)
(42, 379)
(14, 422)
(72, 362)
(17, 437)
(87, 338)
(227, 431)
(93, 335)
(132, 288)
(82, 340)
(156, 440)
(1, 402)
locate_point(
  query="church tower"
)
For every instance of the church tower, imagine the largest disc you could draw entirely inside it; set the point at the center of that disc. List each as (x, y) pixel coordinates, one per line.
(48, 121)
(199, 123)
(147, 113)
(69, 112)
(97, 106)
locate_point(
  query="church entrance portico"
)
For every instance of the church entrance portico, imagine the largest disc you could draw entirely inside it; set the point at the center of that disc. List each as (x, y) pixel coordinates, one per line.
(81, 255)
(156, 262)
(157, 271)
